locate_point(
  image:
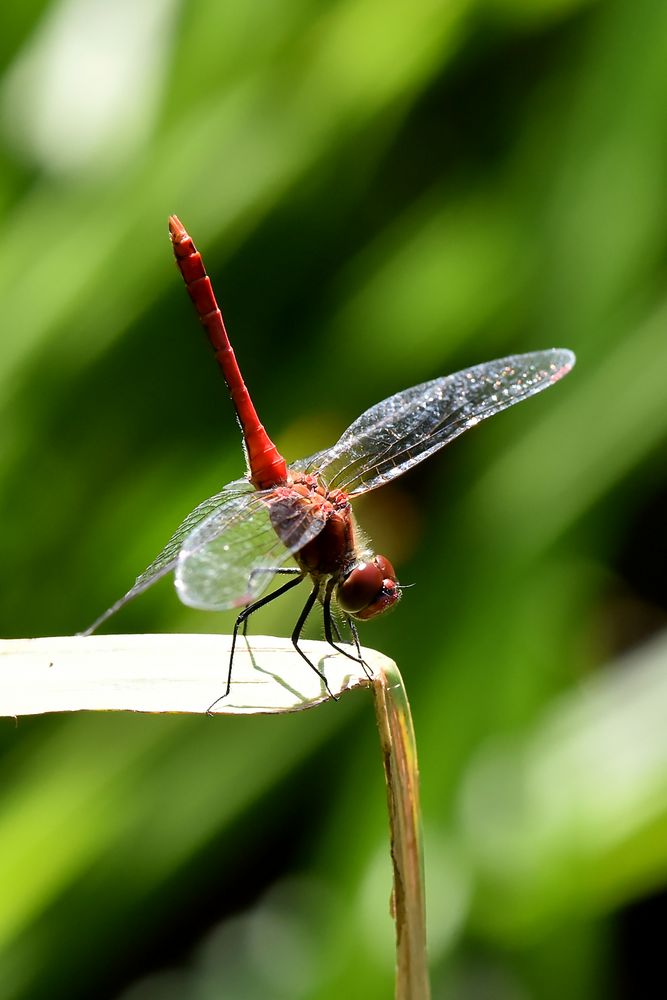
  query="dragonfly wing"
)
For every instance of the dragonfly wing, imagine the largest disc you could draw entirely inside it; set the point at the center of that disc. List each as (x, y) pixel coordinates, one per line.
(396, 434)
(232, 494)
(232, 556)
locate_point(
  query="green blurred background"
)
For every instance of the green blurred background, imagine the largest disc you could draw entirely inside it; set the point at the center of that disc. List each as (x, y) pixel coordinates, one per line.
(384, 192)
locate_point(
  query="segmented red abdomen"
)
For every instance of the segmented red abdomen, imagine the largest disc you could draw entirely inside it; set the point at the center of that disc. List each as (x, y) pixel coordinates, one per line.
(267, 466)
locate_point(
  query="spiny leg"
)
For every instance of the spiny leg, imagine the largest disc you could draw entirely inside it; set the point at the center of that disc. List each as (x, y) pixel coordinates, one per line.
(328, 622)
(296, 634)
(242, 618)
(354, 633)
(336, 630)
(355, 636)
(277, 571)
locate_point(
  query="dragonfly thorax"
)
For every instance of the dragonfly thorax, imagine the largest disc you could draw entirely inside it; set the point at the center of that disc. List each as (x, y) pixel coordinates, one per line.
(369, 588)
(365, 583)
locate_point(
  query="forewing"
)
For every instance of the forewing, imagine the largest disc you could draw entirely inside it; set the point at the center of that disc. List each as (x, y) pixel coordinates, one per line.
(231, 557)
(391, 437)
(233, 495)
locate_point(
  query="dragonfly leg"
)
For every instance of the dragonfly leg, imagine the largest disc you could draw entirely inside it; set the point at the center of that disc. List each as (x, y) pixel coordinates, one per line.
(355, 636)
(336, 630)
(241, 620)
(296, 635)
(277, 571)
(354, 633)
(329, 621)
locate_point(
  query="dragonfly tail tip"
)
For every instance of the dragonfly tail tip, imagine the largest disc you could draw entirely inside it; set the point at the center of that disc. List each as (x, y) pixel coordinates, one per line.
(176, 229)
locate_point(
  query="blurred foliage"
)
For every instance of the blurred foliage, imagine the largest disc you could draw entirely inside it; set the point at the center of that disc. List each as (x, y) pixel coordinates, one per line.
(383, 192)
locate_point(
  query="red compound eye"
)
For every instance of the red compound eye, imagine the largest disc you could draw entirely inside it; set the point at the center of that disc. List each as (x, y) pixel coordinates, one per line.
(360, 587)
(369, 589)
(385, 567)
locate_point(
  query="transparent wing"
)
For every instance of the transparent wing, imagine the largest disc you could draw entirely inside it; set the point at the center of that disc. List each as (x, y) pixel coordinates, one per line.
(231, 557)
(230, 496)
(403, 430)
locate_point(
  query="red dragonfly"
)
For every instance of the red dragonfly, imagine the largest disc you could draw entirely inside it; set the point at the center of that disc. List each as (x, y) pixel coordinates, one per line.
(297, 520)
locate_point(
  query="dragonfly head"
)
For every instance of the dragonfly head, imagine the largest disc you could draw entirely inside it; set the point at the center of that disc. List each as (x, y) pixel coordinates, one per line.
(369, 589)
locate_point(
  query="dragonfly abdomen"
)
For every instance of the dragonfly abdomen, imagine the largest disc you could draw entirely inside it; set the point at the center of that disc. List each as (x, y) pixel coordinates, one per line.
(267, 466)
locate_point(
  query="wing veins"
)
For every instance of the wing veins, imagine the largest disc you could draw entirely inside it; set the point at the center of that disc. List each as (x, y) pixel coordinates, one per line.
(541, 362)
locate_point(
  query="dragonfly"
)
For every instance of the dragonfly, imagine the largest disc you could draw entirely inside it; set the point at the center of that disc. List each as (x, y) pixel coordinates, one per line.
(296, 520)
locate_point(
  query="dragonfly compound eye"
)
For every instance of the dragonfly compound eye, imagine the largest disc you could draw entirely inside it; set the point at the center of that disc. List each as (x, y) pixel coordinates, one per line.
(385, 567)
(369, 589)
(360, 587)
